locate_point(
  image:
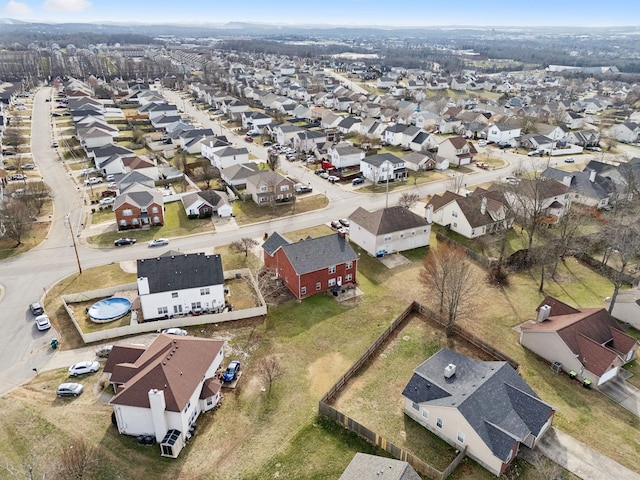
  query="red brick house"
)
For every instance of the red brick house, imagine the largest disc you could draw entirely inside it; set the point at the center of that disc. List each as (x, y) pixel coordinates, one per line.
(139, 206)
(312, 265)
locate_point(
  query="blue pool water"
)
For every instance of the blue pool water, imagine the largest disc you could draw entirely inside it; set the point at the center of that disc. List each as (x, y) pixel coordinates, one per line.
(109, 309)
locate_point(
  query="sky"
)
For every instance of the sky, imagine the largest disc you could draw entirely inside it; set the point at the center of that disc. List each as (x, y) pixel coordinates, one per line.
(334, 12)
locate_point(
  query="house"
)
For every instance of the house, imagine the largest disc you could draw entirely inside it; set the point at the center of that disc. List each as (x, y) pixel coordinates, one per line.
(485, 407)
(306, 141)
(138, 205)
(383, 167)
(178, 284)
(388, 230)
(392, 135)
(225, 156)
(205, 203)
(627, 309)
(586, 341)
(586, 187)
(423, 142)
(502, 133)
(236, 175)
(267, 187)
(457, 150)
(419, 161)
(349, 125)
(311, 265)
(364, 466)
(162, 389)
(254, 121)
(344, 155)
(548, 198)
(472, 216)
(285, 132)
(626, 132)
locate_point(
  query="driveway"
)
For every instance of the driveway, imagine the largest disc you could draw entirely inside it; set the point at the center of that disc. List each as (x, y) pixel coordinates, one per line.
(579, 459)
(623, 393)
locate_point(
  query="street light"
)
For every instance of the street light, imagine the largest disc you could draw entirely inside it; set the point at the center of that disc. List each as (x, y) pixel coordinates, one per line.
(67, 221)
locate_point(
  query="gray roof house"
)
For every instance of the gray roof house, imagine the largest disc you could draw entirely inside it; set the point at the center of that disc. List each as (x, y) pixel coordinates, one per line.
(364, 466)
(483, 406)
(586, 187)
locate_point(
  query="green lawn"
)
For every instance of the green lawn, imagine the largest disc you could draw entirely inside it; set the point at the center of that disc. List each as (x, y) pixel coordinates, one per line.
(248, 211)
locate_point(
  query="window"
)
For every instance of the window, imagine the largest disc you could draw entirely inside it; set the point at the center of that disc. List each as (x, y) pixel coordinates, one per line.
(303, 291)
(154, 210)
(332, 269)
(143, 209)
(318, 286)
(348, 277)
(263, 188)
(387, 238)
(196, 306)
(332, 282)
(348, 265)
(460, 437)
(454, 214)
(204, 291)
(162, 310)
(425, 414)
(174, 294)
(415, 406)
(284, 188)
(439, 423)
(127, 212)
(402, 235)
(177, 309)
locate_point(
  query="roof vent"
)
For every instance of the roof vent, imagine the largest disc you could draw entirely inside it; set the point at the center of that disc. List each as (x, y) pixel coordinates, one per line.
(544, 313)
(449, 370)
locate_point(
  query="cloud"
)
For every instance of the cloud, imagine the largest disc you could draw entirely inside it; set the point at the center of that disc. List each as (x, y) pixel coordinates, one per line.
(17, 8)
(66, 5)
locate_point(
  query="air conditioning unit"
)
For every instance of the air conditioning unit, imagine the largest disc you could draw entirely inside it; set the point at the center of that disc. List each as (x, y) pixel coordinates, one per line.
(556, 367)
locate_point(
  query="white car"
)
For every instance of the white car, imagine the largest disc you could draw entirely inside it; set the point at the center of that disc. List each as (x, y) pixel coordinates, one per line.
(107, 201)
(81, 368)
(42, 322)
(92, 181)
(112, 185)
(482, 143)
(175, 331)
(158, 242)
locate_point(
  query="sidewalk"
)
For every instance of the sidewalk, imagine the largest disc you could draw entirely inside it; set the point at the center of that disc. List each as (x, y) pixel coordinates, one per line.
(580, 459)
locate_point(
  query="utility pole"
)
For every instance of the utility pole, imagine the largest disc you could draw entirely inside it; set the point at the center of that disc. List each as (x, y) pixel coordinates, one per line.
(67, 220)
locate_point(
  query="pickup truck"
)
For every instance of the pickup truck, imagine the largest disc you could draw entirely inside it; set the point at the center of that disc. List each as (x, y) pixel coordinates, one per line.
(300, 188)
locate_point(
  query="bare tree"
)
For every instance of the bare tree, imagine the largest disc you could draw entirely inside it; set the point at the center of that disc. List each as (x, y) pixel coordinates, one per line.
(565, 233)
(15, 216)
(35, 196)
(456, 182)
(625, 245)
(244, 245)
(547, 469)
(273, 160)
(78, 461)
(270, 371)
(181, 162)
(408, 200)
(448, 273)
(13, 138)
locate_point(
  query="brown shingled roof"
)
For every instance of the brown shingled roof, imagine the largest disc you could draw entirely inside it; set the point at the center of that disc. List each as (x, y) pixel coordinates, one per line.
(439, 201)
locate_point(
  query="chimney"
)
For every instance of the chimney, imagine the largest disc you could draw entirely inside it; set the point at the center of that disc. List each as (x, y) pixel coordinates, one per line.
(429, 214)
(449, 370)
(566, 180)
(483, 206)
(592, 176)
(543, 313)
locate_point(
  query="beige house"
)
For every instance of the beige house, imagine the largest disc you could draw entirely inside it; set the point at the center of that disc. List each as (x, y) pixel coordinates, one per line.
(267, 187)
(586, 341)
(483, 406)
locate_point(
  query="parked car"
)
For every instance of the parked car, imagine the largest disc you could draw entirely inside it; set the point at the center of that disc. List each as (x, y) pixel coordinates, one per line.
(482, 165)
(232, 371)
(248, 139)
(54, 145)
(124, 241)
(482, 143)
(112, 185)
(18, 176)
(81, 368)
(594, 149)
(107, 201)
(103, 351)
(569, 160)
(92, 181)
(344, 230)
(28, 166)
(10, 167)
(110, 178)
(175, 331)
(36, 308)
(511, 180)
(7, 153)
(42, 322)
(344, 222)
(87, 171)
(267, 144)
(336, 224)
(333, 178)
(69, 389)
(158, 242)
(324, 175)
(357, 181)
(109, 193)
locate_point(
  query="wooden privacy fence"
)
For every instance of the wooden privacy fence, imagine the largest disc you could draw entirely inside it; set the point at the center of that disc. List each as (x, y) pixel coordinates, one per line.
(327, 410)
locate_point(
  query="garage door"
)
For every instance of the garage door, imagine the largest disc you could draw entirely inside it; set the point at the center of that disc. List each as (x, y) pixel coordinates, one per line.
(608, 375)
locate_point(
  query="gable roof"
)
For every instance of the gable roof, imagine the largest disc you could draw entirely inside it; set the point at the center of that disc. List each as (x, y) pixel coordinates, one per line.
(387, 220)
(378, 159)
(364, 466)
(179, 272)
(313, 254)
(175, 365)
(491, 396)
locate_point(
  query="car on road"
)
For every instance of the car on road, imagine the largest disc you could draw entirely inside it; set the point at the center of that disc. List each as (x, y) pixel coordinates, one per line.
(175, 331)
(28, 166)
(569, 160)
(248, 139)
(344, 222)
(482, 165)
(158, 242)
(232, 371)
(357, 181)
(42, 322)
(107, 201)
(333, 178)
(36, 308)
(92, 181)
(124, 241)
(54, 145)
(69, 389)
(324, 175)
(18, 176)
(267, 144)
(81, 368)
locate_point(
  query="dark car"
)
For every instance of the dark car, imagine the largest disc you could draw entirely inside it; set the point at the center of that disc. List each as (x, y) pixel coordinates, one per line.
(7, 153)
(109, 193)
(357, 181)
(231, 373)
(124, 241)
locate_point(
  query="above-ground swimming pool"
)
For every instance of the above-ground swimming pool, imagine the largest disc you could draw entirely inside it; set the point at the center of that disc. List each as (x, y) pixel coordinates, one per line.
(109, 309)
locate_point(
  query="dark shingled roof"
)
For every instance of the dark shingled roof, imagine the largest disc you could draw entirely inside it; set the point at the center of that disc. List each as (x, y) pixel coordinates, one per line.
(274, 242)
(365, 467)
(387, 220)
(179, 272)
(380, 158)
(491, 396)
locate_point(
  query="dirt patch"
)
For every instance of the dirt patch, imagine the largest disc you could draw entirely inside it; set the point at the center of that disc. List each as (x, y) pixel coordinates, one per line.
(325, 371)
